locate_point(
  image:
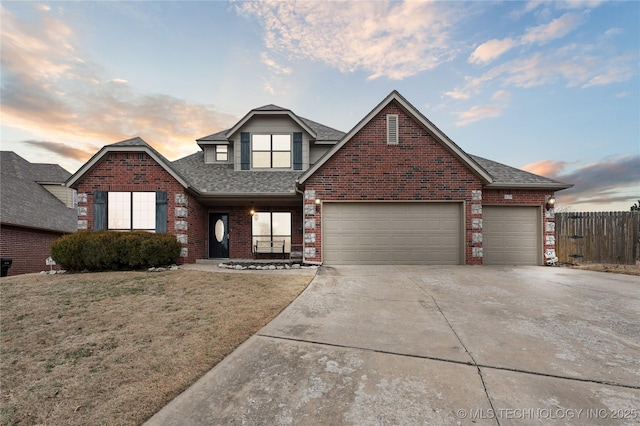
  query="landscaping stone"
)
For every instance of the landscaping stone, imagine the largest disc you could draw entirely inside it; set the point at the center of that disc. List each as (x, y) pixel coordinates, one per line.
(241, 266)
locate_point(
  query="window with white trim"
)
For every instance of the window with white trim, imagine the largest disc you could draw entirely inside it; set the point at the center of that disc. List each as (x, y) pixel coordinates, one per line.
(271, 151)
(222, 153)
(127, 211)
(272, 226)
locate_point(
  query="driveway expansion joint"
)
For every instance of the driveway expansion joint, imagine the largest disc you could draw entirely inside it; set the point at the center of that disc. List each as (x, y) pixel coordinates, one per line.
(474, 363)
(556, 376)
(379, 351)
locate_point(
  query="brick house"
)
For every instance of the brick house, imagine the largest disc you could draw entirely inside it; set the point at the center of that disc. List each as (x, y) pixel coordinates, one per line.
(35, 209)
(394, 189)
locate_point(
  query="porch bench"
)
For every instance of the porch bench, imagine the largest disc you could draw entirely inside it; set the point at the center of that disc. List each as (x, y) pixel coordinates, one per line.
(269, 247)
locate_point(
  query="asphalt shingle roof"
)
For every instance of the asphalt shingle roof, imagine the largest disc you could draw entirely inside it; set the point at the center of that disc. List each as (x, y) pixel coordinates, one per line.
(324, 133)
(505, 176)
(23, 202)
(15, 165)
(223, 179)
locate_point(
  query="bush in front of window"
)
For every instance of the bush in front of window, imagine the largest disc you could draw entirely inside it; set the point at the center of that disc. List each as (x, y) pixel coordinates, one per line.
(114, 251)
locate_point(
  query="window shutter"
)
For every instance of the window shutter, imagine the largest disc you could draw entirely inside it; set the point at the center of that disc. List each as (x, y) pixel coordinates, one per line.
(99, 210)
(161, 212)
(245, 151)
(392, 129)
(297, 151)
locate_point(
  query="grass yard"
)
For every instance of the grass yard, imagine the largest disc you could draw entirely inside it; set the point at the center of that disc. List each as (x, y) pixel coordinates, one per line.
(615, 269)
(114, 348)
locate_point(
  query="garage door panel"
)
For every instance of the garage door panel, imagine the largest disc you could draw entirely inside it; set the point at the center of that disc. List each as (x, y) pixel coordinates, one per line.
(511, 235)
(392, 233)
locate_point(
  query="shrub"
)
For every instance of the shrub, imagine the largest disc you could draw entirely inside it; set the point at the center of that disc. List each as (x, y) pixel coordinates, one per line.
(111, 251)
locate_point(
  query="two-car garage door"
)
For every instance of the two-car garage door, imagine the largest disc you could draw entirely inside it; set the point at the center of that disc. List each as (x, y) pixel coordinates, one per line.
(392, 233)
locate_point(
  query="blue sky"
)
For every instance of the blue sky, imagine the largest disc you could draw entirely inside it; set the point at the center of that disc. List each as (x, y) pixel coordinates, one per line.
(551, 87)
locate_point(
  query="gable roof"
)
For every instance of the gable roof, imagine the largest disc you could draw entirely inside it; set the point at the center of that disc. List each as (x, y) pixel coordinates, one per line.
(509, 177)
(319, 132)
(270, 110)
(418, 117)
(136, 144)
(24, 202)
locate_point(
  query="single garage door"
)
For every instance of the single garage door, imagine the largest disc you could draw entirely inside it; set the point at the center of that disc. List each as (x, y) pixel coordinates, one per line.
(392, 233)
(511, 235)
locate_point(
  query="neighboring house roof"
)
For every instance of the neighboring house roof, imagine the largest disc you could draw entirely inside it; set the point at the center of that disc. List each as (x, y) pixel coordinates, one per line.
(509, 177)
(421, 119)
(24, 202)
(49, 173)
(319, 132)
(222, 179)
(130, 145)
(17, 166)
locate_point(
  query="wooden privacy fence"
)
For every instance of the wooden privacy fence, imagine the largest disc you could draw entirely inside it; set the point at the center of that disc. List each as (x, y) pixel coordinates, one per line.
(598, 237)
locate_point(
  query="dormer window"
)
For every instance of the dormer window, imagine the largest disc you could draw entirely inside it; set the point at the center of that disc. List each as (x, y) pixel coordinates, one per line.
(271, 151)
(216, 154)
(222, 153)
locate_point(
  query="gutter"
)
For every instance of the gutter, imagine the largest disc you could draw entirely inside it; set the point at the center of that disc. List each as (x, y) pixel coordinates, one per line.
(247, 194)
(555, 187)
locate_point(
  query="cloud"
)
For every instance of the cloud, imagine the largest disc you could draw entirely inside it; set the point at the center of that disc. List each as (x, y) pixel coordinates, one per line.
(273, 65)
(477, 113)
(575, 65)
(555, 29)
(394, 40)
(599, 183)
(566, 4)
(455, 94)
(64, 150)
(502, 96)
(490, 50)
(548, 168)
(480, 112)
(541, 34)
(48, 88)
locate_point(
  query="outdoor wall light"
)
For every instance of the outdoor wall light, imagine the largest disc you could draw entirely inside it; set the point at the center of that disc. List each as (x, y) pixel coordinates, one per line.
(252, 211)
(318, 204)
(551, 202)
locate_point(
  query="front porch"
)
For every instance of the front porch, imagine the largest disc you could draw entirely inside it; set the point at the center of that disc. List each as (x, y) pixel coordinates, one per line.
(250, 232)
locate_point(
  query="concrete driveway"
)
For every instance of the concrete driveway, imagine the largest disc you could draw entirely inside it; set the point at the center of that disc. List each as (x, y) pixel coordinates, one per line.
(402, 345)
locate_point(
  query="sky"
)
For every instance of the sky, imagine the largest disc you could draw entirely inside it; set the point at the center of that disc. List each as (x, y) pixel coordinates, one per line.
(551, 87)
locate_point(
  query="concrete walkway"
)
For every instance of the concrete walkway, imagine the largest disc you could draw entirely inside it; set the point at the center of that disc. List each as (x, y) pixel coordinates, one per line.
(434, 345)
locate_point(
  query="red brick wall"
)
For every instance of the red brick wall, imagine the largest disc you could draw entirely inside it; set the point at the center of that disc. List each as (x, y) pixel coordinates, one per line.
(137, 171)
(418, 168)
(28, 248)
